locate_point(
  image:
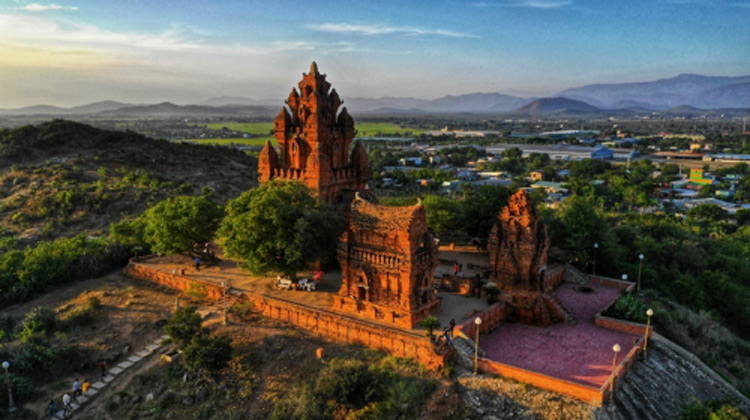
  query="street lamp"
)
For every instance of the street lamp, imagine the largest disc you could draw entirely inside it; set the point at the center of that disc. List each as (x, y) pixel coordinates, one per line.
(11, 406)
(616, 349)
(596, 246)
(624, 278)
(649, 314)
(640, 266)
(477, 322)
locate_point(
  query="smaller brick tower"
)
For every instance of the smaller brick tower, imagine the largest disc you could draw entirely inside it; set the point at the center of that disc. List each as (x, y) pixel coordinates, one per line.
(388, 260)
(314, 140)
(518, 246)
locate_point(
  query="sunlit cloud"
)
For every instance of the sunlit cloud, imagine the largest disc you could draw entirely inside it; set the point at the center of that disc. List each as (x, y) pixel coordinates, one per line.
(36, 7)
(363, 29)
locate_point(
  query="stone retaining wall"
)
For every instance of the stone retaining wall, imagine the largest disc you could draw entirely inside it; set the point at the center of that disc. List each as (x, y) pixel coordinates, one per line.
(332, 325)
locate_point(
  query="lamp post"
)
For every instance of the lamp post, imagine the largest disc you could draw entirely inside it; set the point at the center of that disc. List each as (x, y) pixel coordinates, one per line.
(624, 278)
(11, 406)
(616, 349)
(224, 299)
(596, 246)
(477, 322)
(640, 266)
(649, 314)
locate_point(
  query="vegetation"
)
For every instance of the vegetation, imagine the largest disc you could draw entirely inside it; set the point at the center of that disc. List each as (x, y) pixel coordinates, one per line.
(175, 224)
(201, 351)
(710, 410)
(280, 227)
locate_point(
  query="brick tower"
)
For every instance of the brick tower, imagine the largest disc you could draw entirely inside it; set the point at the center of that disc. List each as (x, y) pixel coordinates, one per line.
(388, 259)
(314, 140)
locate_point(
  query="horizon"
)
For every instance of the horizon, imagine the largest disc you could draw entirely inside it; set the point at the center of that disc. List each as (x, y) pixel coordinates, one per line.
(77, 52)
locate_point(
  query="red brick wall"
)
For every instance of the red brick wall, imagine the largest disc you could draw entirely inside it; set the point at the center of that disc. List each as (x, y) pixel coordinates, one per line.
(553, 276)
(334, 326)
(491, 318)
(571, 389)
(619, 325)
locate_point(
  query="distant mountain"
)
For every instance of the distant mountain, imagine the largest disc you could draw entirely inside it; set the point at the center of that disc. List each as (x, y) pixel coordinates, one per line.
(170, 110)
(545, 106)
(98, 107)
(385, 104)
(472, 102)
(35, 110)
(230, 101)
(686, 89)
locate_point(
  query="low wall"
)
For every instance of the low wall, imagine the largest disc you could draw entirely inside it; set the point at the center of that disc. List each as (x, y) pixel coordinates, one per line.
(628, 286)
(457, 284)
(553, 277)
(622, 369)
(620, 325)
(491, 318)
(332, 325)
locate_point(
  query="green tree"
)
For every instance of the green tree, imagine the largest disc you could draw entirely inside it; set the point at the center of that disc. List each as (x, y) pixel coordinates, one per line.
(205, 352)
(175, 224)
(280, 227)
(184, 325)
(710, 212)
(480, 208)
(442, 213)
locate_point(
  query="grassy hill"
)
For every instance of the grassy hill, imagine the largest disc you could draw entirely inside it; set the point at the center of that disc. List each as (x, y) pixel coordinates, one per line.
(63, 178)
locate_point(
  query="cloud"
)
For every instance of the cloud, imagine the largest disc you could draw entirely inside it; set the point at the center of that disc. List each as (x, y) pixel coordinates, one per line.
(363, 29)
(544, 4)
(36, 7)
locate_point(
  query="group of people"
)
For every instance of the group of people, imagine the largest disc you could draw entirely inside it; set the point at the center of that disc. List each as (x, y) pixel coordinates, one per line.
(79, 389)
(448, 332)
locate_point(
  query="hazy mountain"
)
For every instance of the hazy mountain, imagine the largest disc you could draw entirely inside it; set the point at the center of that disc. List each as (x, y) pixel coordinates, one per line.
(36, 110)
(690, 89)
(384, 104)
(556, 106)
(233, 101)
(97, 107)
(170, 110)
(476, 102)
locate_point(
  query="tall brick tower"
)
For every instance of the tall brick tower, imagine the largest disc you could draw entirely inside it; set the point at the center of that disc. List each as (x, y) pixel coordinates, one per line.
(314, 140)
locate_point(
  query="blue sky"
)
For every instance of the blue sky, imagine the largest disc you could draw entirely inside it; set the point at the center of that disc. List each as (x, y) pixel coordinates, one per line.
(71, 52)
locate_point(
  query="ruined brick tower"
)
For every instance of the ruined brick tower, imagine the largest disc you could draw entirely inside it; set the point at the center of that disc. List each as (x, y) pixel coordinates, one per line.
(518, 246)
(314, 140)
(388, 259)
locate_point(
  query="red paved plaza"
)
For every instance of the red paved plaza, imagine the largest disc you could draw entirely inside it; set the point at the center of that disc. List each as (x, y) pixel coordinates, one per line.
(580, 352)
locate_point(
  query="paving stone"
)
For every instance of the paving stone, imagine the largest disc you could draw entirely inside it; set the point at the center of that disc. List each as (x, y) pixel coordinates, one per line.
(163, 337)
(91, 392)
(109, 378)
(143, 353)
(74, 406)
(98, 385)
(135, 359)
(114, 372)
(153, 347)
(126, 364)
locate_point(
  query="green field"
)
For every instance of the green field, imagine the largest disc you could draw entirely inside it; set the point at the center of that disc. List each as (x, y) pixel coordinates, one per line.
(256, 129)
(255, 141)
(363, 129)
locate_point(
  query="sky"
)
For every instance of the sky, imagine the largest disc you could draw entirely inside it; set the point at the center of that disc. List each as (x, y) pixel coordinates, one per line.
(73, 52)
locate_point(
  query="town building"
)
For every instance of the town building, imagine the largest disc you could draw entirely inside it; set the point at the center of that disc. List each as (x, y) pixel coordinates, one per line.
(555, 151)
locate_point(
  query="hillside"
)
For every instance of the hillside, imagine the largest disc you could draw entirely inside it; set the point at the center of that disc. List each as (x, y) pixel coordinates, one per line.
(61, 178)
(556, 106)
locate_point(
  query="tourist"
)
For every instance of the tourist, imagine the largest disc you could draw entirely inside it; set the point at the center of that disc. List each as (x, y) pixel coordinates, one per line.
(66, 405)
(76, 389)
(455, 269)
(52, 406)
(85, 387)
(446, 335)
(451, 326)
(103, 368)
(197, 264)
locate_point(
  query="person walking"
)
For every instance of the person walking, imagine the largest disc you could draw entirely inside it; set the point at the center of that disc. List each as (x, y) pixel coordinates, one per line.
(197, 264)
(76, 389)
(451, 326)
(66, 405)
(52, 406)
(85, 387)
(103, 368)
(455, 269)
(447, 336)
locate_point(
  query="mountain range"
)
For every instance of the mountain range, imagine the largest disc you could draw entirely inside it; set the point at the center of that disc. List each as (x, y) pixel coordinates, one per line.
(673, 95)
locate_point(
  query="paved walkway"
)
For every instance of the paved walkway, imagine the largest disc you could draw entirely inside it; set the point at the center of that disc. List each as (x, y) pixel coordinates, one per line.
(112, 373)
(580, 352)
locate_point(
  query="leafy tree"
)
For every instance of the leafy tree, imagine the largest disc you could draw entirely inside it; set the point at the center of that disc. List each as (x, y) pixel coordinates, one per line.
(175, 224)
(184, 325)
(280, 227)
(207, 352)
(743, 217)
(442, 213)
(587, 168)
(480, 208)
(710, 212)
(430, 323)
(512, 153)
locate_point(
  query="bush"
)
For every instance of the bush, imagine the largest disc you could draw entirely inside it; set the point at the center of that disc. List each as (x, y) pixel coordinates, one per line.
(85, 315)
(184, 325)
(37, 324)
(208, 353)
(629, 308)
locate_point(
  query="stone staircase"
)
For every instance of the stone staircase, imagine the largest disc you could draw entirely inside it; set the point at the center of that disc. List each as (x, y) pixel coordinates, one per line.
(574, 275)
(560, 309)
(660, 386)
(465, 351)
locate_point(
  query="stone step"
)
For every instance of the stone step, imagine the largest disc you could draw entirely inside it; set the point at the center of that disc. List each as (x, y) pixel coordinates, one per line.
(623, 400)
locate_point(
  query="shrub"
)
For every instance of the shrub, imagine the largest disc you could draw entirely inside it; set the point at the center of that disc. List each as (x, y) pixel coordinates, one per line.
(37, 324)
(85, 315)
(430, 323)
(629, 308)
(184, 325)
(208, 353)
